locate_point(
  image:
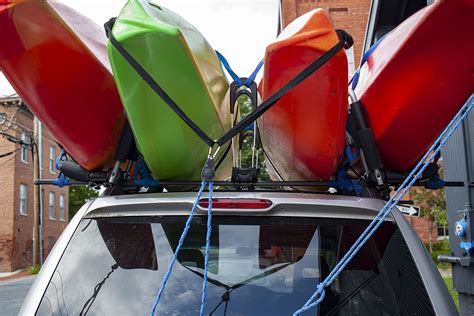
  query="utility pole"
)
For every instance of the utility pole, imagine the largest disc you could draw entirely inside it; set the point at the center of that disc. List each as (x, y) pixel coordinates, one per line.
(39, 153)
(37, 199)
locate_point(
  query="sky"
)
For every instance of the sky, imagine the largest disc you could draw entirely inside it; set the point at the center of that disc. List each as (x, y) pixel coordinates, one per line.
(239, 29)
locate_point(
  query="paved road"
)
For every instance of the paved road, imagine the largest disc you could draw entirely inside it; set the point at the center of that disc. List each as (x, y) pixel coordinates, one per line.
(12, 294)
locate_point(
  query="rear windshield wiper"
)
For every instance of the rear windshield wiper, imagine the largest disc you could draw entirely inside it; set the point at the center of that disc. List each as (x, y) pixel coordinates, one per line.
(226, 296)
(90, 301)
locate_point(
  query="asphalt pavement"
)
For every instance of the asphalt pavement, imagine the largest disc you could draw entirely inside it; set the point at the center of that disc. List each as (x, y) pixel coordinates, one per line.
(12, 294)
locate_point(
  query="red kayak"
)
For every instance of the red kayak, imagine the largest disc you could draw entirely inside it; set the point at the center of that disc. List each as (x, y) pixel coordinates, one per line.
(416, 79)
(304, 133)
(56, 60)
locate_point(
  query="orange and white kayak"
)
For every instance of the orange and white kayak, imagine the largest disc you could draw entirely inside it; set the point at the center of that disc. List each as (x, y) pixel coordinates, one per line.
(304, 133)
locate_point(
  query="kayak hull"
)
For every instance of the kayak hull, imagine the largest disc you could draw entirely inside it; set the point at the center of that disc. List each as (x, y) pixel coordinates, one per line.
(182, 62)
(416, 79)
(304, 133)
(56, 60)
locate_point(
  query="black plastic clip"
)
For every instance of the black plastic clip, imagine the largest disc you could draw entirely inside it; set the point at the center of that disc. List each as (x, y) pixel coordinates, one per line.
(249, 175)
(236, 91)
(208, 171)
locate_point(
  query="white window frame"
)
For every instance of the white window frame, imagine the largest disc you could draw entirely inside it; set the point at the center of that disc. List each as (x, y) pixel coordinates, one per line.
(62, 208)
(445, 234)
(52, 158)
(24, 148)
(350, 61)
(52, 201)
(23, 199)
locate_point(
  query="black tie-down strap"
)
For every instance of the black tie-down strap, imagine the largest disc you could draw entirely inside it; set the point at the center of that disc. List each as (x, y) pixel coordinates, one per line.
(346, 41)
(154, 85)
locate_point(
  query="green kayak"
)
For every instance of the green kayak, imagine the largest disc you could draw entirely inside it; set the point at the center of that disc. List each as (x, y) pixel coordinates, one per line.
(183, 63)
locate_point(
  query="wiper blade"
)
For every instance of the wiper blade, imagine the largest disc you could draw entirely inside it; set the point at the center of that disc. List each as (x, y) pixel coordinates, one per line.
(90, 301)
(226, 295)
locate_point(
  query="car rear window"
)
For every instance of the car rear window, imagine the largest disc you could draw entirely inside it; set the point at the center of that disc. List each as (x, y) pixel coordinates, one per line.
(257, 266)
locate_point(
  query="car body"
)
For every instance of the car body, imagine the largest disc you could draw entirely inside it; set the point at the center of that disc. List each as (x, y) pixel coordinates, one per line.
(265, 260)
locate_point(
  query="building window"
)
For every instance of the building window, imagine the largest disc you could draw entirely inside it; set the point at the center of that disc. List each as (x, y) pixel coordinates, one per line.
(24, 148)
(61, 207)
(23, 199)
(443, 232)
(52, 156)
(52, 198)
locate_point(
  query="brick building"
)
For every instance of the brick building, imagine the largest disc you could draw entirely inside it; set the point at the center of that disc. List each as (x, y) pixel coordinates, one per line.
(349, 15)
(424, 225)
(421, 224)
(17, 188)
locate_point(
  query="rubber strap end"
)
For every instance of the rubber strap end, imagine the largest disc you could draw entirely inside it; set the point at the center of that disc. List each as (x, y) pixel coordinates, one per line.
(208, 171)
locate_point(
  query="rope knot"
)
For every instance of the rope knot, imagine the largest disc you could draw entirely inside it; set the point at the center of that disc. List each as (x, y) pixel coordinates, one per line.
(61, 180)
(61, 157)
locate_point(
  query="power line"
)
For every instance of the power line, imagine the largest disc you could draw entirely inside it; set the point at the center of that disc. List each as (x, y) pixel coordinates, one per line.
(16, 140)
(24, 128)
(9, 153)
(7, 161)
(18, 127)
(22, 124)
(15, 126)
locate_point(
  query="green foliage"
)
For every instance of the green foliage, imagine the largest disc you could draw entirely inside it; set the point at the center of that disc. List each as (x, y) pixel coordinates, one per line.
(449, 284)
(78, 195)
(442, 218)
(34, 270)
(440, 248)
(432, 205)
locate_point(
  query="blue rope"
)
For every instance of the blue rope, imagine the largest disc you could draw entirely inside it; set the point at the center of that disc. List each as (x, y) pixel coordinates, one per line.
(394, 200)
(251, 78)
(61, 180)
(208, 244)
(351, 156)
(435, 183)
(234, 76)
(61, 157)
(178, 248)
(342, 181)
(143, 177)
(226, 65)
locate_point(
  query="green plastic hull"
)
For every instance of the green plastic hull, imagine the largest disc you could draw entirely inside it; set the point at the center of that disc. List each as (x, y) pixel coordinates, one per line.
(178, 57)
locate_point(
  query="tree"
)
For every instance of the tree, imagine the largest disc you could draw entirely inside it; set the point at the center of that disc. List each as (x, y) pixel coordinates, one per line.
(432, 205)
(78, 195)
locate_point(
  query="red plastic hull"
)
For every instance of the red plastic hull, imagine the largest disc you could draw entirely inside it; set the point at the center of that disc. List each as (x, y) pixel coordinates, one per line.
(304, 133)
(417, 79)
(57, 62)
